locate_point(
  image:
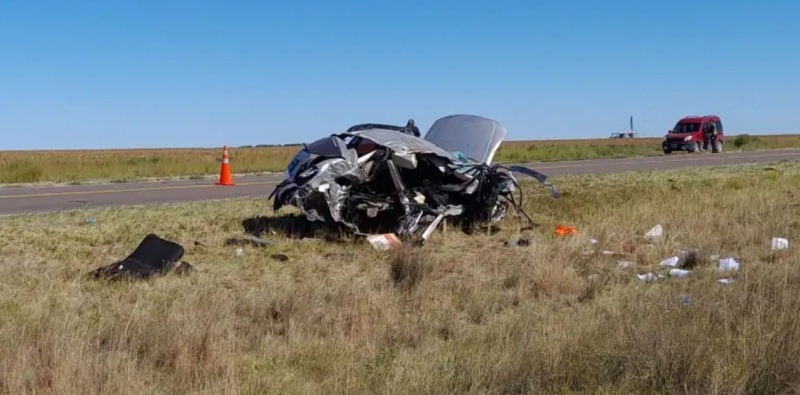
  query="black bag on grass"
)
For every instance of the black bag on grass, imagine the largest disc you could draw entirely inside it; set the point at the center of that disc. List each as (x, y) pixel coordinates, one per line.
(154, 255)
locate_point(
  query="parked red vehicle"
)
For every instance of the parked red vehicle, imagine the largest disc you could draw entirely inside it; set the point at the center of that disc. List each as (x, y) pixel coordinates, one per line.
(687, 135)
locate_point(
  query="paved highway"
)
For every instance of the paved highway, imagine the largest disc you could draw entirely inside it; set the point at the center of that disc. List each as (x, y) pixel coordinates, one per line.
(58, 198)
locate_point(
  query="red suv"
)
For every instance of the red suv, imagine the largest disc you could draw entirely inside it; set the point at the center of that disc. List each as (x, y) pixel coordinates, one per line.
(687, 135)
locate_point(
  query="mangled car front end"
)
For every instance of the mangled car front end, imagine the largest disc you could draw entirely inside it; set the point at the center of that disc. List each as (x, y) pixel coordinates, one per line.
(375, 175)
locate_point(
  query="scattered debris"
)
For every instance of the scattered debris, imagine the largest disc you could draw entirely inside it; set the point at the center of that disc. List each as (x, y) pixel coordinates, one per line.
(153, 256)
(647, 277)
(384, 242)
(89, 221)
(779, 243)
(673, 261)
(379, 177)
(239, 251)
(728, 264)
(655, 233)
(726, 281)
(679, 273)
(563, 230)
(517, 243)
(624, 264)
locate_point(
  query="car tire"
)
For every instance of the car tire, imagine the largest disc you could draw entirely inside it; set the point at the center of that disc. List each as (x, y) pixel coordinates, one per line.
(667, 152)
(719, 146)
(695, 147)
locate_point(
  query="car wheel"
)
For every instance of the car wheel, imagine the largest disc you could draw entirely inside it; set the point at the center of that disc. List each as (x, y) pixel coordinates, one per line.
(696, 147)
(718, 145)
(667, 152)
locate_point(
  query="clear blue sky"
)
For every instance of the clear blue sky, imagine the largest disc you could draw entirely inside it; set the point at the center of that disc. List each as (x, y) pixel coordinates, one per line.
(147, 73)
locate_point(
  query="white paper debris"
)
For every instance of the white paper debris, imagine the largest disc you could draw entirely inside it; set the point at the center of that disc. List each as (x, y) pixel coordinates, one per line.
(593, 241)
(239, 251)
(728, 264)
(670, 261)
(779, 243)
(607, 252)
(726, 281)
(655, 233)
(624, 264)
(679, 273)
(384, 242)
(647, 277)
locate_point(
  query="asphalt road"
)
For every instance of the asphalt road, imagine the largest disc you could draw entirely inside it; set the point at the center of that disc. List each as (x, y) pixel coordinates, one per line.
(58, 198)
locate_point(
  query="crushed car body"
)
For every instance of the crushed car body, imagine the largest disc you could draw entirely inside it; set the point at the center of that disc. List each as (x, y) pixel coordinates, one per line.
(377, 174)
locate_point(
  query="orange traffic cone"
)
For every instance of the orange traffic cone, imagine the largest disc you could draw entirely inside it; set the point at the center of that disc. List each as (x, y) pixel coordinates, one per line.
(225, 177)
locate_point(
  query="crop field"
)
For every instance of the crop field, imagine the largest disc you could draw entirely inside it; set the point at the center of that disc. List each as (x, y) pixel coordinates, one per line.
(463, 314)
(121, 165)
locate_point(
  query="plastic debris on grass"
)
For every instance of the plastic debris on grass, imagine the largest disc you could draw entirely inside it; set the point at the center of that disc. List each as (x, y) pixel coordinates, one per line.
(385, 241)
(779, 243)
(564, 230)
(655, 233)
(152, 257)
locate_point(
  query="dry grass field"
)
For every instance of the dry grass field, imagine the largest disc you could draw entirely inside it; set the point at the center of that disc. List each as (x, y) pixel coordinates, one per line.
(124, 165)
(464, 314)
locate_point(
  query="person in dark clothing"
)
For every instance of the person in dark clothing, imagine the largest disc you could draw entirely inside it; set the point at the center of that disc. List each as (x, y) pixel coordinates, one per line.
(411, 128)
(710, 136)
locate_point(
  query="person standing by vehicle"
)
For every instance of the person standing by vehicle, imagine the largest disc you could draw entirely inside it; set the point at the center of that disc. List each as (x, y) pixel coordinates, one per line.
(712, 132)
(411, 128)
(710, 136)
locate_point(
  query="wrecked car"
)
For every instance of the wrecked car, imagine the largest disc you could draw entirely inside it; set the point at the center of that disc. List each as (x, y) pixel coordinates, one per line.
(377, 175)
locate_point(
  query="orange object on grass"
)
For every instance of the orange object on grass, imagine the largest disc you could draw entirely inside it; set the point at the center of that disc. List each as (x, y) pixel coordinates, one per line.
(563, 230)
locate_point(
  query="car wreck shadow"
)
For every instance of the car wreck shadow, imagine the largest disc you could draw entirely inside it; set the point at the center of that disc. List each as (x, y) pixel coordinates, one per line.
(292, 226)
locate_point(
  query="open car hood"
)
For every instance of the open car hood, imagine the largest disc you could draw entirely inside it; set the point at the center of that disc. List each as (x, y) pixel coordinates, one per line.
(476, 137)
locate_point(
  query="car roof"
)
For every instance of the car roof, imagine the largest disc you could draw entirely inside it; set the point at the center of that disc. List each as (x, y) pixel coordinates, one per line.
(698, 118)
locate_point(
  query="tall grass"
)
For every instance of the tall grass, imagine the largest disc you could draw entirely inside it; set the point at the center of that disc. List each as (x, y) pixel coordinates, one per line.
(464, 314)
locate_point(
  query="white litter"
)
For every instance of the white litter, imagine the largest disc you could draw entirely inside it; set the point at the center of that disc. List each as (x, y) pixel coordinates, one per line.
(679, 273)
(624, 264)
(779, 243)
(384, 242)
(647, 277)
(728, 264)
(239, 251)
(655, 233)
(670, 261)
(726, 281)
(593, 241)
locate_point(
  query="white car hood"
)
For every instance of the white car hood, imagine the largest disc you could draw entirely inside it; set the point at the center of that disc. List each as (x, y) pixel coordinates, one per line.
(476, 137)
